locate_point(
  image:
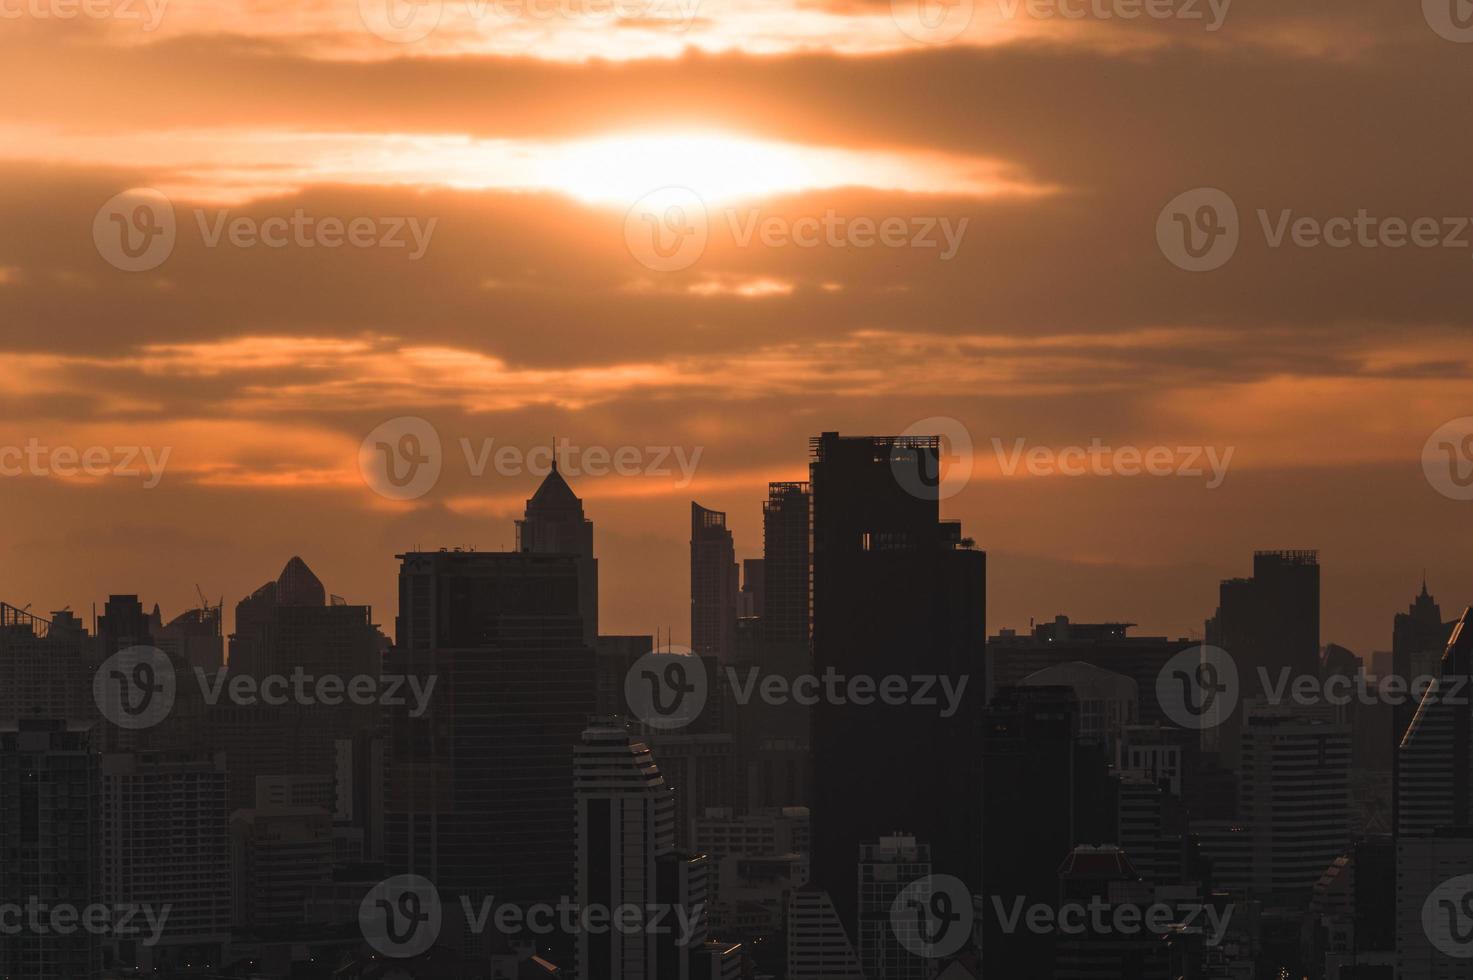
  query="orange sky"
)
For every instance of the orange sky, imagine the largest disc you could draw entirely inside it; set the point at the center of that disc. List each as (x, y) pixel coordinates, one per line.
(523, 151)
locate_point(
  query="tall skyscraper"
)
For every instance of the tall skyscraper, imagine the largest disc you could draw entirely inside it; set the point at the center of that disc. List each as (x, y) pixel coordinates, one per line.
(1418, 638)
(289, 623)
(48, 845)
(896, 593)
(1013, 656)
(886, 867)
(1038, 796)
(165, 842)
(1295, 799)
(714, 584)
(279, 854)
(554, 524)
(45, 667)
(1434, 785)
(123, 624)
(1271, 620)
(787, 563)
(624, 854)
(478, 795)
(818, 944)
(1268, 623)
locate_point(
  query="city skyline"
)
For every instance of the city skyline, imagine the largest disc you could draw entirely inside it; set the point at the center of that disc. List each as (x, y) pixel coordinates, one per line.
(1028, 588)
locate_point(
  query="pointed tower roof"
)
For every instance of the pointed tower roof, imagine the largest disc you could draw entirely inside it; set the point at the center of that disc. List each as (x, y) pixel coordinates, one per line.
(554, 492)
(298, 586)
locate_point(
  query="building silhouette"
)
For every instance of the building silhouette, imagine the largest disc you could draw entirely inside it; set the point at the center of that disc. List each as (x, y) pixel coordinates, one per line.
(714, 584)
(787, 556)
(1268, 623)
(165, 842)
(553, 524)
(886, 868)
(896, 592)
(478, 798)
(49, 845)
(625, 854)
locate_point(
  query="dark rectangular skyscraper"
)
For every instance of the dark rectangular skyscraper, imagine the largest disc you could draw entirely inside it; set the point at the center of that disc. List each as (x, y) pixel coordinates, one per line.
(1272, 620)
(48, 845)
(479, 799)
(896, 593)
(786, 554)
(714, 584)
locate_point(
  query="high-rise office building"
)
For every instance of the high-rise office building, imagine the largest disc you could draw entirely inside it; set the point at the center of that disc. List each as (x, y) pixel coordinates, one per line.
(289, 623)
(1418, 638)
(45, 667)
(123, 624)
(714, 584)
(1433, 788)
(278, 855)
(886, 868)
(1103, 877)
(1042, 789)
(624, 854)
(896, 593)
(49, 845)
(1272, 620)
(478, 798)
(818, 944)
(1267, 623)
(753, 598)
(786, 563)
(553, 524)
(1152, 827)
(1435, 946)
(1295, 799)
(1012, 656)
(165, 843)
(193, 637)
